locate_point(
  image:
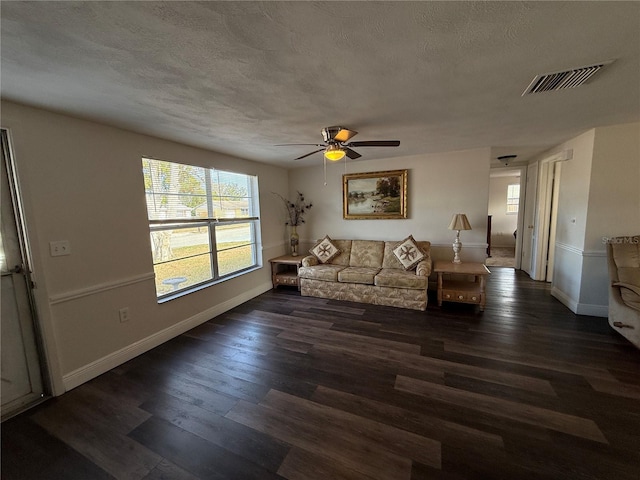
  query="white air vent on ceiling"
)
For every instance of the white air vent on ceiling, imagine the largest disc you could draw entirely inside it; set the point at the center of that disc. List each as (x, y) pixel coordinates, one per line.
(560, 80)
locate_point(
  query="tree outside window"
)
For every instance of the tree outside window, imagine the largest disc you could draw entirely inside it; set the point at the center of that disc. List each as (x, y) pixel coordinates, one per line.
(203, 224)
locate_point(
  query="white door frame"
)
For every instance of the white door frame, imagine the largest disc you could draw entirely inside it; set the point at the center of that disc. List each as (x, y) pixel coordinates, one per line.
(551, 254)
(528, 227)
(546, 216)
(21, 345)
(520, 227)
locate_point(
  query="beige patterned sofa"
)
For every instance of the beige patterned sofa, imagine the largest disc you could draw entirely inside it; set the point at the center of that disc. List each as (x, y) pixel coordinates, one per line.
(368, 271)
(623, 256)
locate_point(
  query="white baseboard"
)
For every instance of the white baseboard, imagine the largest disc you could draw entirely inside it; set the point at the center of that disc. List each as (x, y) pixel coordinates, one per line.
(108, 362)
(580, 308)
(565, 299)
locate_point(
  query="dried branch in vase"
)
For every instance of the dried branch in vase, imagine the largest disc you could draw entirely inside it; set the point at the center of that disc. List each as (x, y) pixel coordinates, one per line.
(296, 210)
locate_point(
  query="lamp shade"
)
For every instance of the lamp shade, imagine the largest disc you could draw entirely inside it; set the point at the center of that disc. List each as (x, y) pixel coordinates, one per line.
(459, 222)
(334, 153)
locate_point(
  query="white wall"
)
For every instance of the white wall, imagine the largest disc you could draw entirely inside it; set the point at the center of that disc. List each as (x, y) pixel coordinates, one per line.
(439, 185)
(82, 182)
(614, 203)
(599, 197)
(572, 218)
(573, 202)
(503, 224)
(614, 194)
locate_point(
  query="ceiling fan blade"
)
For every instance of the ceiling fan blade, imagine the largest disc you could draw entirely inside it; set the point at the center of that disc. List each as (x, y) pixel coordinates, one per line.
(375, 143)
(292, 144)
(303, 156)
(344, 134)
(351, 153)
(337, 134)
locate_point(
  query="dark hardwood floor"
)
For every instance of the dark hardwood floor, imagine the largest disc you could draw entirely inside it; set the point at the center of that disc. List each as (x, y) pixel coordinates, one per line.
(285, 386)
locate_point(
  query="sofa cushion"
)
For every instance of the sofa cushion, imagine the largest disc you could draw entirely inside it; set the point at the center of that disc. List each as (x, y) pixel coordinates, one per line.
(325, 272)
(395, 277)
(391, 261)
(345, 248)
(408, 253)
(358, 275)
(366, 253)
(325, 250)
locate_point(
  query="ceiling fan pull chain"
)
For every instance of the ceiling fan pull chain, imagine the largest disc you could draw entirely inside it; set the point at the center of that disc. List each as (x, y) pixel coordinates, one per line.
(325, 170)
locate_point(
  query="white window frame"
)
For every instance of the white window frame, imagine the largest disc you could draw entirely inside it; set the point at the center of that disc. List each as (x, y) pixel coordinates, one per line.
(513, 201)
(211, 223)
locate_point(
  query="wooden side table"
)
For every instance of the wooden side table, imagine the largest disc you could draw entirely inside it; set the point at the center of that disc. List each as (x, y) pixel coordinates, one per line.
(461, 291)
(284, 270)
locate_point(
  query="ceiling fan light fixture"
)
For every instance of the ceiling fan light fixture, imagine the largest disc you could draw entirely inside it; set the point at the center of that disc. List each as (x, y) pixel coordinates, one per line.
(505, 159)
(334, 153)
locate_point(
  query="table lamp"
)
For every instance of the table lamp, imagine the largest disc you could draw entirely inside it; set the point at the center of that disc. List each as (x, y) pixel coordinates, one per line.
(458, 222)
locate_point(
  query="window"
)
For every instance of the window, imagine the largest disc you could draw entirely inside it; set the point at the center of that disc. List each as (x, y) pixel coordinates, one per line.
(513, 198)
(203, 224)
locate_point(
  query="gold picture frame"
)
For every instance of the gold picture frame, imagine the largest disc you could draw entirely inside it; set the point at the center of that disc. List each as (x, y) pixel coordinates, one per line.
(374, 195)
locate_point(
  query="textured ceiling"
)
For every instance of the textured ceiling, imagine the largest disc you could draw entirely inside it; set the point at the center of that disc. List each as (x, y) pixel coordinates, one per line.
(239, 77)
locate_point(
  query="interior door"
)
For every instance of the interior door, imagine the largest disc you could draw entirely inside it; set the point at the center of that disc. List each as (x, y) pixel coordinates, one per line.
(20, 368)
(528, 234)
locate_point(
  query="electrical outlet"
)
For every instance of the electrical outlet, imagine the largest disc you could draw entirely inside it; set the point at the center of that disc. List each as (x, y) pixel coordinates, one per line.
(125, 315)
(60, 248)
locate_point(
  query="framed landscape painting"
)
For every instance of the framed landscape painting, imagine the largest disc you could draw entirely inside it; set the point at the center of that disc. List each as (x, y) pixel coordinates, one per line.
(374, 195)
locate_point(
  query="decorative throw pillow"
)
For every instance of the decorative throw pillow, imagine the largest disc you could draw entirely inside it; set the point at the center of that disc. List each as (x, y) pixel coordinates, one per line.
(325, 250)
(408, 253)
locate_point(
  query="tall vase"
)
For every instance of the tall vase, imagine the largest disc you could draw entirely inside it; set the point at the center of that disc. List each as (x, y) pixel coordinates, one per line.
(294, 239)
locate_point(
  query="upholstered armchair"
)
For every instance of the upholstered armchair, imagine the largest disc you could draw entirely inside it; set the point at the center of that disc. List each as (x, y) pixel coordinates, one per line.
(623, 257)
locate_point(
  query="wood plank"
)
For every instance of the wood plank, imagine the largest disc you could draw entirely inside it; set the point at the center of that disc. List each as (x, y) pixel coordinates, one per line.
(579, 427)
(90, 405)
(160, 379)
(422, 424)
(616, 388)
(166, 470)
(339, 444)
(520, 358)
(503, 378)
(115, 453)
(242, 441)
(185, 375)
(29, 452)
(302, 464)
(196, 455)
(354, 341)
(271, 319)
(265, 375)
(398, 441)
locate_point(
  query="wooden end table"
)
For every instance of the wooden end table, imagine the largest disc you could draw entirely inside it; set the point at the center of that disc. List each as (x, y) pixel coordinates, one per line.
(461, 291)
(284, 270)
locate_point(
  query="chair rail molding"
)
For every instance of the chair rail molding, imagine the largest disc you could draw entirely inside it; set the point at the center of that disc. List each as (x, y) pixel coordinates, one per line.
(99, 288)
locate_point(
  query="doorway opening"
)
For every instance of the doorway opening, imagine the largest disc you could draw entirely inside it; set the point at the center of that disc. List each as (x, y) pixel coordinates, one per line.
(506, 194)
